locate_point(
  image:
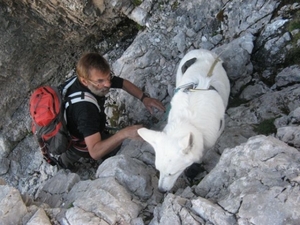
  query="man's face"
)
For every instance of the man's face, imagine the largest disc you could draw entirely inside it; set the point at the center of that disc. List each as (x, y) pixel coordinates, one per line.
(98, 83)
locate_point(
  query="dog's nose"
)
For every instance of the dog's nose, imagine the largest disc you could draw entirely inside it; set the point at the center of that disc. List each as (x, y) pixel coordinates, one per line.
(162, 190)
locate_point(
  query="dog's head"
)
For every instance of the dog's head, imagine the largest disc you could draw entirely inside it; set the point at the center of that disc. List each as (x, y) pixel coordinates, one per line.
(172, 155)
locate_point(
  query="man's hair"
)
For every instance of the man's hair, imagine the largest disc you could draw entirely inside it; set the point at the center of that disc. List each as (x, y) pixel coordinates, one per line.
(91, 61)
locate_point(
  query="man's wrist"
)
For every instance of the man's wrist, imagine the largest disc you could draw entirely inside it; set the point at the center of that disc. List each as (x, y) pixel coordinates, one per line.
(144, 96)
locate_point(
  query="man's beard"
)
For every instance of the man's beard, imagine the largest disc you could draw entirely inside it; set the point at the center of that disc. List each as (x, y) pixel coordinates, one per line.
(99, 92)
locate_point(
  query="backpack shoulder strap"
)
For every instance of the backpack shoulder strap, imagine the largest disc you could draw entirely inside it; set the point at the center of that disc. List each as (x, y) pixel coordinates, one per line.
(76, 97)
(81, 96)
(68, 84)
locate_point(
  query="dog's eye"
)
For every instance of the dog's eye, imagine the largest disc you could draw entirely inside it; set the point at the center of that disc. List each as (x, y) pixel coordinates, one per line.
(173, 174)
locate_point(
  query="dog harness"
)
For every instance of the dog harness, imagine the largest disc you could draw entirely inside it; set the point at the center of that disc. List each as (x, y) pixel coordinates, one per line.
(191, 87)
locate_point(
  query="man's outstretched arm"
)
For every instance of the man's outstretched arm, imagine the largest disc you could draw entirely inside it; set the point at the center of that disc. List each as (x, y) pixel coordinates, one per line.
(98, 147)
(138, 93)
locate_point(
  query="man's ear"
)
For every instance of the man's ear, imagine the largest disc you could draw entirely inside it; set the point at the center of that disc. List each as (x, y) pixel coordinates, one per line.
(151, 136)
(83, 81)
(186, 143)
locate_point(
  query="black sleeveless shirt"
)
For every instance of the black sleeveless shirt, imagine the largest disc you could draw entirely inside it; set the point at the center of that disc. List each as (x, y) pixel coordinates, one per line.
(84, 118)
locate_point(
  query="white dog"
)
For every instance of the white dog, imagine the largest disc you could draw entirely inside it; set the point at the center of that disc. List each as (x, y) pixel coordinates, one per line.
(196, 118)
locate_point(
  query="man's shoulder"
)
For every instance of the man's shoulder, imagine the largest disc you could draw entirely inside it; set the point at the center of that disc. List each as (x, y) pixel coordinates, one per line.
(84, 106)
(117, 82)
(77, 87)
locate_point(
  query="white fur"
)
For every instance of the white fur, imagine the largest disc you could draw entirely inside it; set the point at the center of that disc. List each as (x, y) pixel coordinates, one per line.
(196, 118)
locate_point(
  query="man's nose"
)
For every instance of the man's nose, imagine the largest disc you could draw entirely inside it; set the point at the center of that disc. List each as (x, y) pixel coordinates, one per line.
(107, 83)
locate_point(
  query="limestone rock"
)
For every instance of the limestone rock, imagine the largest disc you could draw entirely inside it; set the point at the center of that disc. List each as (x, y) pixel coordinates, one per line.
(12, 206)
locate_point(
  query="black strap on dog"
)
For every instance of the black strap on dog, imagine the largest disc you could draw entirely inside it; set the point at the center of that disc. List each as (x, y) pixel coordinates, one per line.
(187, 64)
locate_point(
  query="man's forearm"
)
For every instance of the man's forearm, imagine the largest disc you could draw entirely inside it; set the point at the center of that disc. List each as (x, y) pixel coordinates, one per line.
(132, 89)
(98, 147)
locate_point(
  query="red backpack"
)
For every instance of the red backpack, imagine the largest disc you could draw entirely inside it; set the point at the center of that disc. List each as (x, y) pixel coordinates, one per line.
(47, 106)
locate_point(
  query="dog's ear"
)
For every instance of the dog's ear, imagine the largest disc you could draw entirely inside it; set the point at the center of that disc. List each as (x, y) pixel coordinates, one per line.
(186, 143)
(151, 136)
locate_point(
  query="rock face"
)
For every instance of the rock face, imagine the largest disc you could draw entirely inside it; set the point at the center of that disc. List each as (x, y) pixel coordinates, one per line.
(251, 176)
(40, 42)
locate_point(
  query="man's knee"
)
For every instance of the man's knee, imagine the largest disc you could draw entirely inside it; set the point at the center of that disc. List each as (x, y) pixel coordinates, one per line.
(67, 159)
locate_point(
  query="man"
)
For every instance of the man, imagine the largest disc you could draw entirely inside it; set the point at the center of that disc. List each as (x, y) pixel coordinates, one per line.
(85, 123)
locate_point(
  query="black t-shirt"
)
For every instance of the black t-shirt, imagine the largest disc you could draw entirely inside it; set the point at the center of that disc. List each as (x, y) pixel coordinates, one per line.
(84, 118)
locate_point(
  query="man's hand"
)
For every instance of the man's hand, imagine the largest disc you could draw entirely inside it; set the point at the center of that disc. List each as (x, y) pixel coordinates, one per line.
(131, 132)
(151, 103)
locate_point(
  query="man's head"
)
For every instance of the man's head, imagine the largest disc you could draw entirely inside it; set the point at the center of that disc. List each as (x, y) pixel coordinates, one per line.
(93, 71)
